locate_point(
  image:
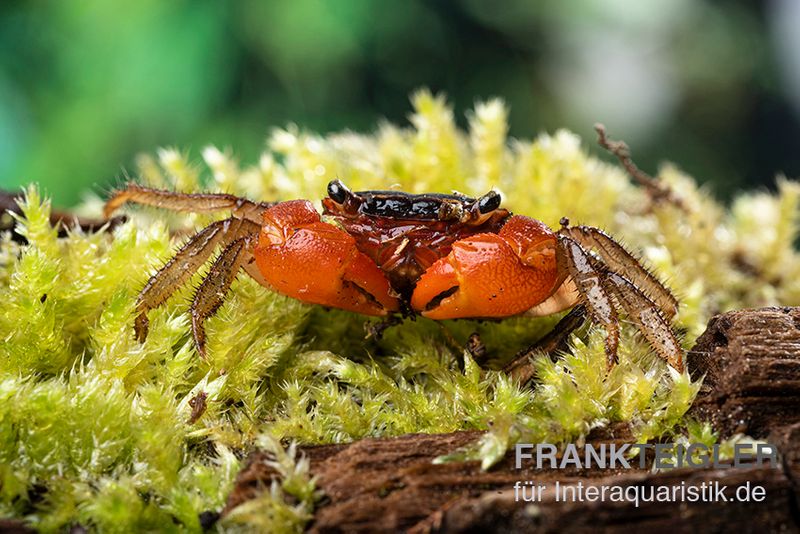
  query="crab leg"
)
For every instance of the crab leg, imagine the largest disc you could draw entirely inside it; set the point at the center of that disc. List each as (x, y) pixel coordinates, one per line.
(192, 202)
(184, 264)
(521, 366)
(621, 261)
(644, 314)
(595, 295)
(211, 293)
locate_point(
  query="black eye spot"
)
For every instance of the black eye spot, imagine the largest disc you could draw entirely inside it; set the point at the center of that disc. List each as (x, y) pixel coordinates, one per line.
(337, 191)
(489, 202)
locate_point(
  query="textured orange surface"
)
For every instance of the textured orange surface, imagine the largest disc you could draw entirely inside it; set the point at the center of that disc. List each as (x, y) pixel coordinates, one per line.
(498, 275)
(307, 259)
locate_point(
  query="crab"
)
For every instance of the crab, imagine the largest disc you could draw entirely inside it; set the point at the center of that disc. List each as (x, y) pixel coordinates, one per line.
(394, 254)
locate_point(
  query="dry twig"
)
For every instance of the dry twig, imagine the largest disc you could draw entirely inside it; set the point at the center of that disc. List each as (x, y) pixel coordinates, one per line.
(656, 190)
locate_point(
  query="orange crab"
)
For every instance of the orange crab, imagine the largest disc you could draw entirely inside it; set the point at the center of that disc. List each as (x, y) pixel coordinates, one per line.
(383, 253)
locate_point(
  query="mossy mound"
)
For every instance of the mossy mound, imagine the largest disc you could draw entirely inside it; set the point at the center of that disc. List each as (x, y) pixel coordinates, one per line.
(97, 429)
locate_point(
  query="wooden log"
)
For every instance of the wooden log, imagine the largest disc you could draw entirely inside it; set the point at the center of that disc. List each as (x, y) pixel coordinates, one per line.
(14, 526)
(391, 484)
(751, 361)
(501, 512)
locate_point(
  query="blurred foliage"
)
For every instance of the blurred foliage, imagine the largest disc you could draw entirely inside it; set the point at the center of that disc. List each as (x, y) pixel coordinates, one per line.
(97, 429)
(86, 85)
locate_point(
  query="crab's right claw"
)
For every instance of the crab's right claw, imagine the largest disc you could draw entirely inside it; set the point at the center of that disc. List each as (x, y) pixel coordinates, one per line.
(312, 261)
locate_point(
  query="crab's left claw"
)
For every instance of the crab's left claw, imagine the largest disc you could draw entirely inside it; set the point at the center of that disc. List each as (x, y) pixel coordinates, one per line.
(492, 275)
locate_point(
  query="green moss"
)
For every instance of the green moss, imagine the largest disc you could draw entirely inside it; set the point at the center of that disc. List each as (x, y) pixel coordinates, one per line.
(97, 429)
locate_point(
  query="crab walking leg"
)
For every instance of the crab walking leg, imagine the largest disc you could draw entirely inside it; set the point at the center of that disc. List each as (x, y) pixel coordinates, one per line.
(190, 202)
(621, 261)
(184, 264)
(594, 294)
(644, 313)
(521, 365)
(211, 293)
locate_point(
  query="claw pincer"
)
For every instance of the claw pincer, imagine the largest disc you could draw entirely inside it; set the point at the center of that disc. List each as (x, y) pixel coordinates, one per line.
(491, 275)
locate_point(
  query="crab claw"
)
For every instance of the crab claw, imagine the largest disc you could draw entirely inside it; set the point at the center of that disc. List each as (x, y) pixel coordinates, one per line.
(312, 261)
(491, 275)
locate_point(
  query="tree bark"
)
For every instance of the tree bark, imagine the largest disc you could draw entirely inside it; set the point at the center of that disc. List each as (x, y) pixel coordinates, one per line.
(751, 363)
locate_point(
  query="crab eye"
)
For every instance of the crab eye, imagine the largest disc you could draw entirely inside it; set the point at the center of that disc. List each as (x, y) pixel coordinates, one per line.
(489, 202)
(337, 191)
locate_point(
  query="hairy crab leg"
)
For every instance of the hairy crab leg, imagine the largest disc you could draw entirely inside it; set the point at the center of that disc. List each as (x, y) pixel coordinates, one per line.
(594, 293)
(623, 262)
(211, 293)
(650, 316)
(521, 366)
(184, 264)
(191, 202)
(645, 315)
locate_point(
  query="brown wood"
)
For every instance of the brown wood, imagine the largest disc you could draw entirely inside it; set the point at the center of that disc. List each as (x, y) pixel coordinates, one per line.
(14, 526)
(64, 221)
(751, 363)
(751, 360)
(499, 512)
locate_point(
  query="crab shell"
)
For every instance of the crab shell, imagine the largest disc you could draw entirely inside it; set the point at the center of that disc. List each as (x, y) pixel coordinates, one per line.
(441, 256)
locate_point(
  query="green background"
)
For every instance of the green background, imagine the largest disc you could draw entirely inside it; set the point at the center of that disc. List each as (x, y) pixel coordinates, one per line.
(86, 85)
